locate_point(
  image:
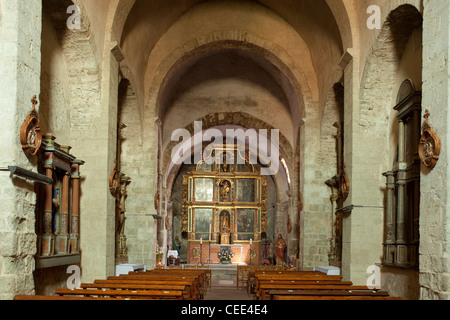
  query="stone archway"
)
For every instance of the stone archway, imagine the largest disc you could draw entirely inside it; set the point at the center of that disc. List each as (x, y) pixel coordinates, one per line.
(368, 124)
(87, 129)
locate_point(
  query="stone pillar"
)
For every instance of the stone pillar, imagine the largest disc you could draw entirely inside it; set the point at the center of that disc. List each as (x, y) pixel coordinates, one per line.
(362, 228)
(98, 147)
(280, 220)
(20, 67)
(435, 188)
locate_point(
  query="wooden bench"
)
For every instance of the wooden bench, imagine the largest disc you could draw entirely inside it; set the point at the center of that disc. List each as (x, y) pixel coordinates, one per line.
(124, 294)
(201, 276)
(192, 294)
(207, 270)
(264, 286)
(295, 278)
(309, 298)
(195, 292)
(57, 298)
(138, 286)
(340, 293)
(248, 272)
(267, 289)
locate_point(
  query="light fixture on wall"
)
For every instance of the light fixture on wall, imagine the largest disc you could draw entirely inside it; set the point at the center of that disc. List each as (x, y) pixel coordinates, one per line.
(29, 175)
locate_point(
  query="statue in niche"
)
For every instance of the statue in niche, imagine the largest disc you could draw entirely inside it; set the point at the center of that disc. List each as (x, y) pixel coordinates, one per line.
(225, 223)
(225, 227)
(225, 187)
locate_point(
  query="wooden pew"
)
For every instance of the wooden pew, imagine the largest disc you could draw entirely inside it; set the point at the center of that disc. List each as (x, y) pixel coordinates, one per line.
(309, 298)
(190, 287)
(57, 298)
(241, 275)
(202, 273)
(207, 270)
(248, 273)
(126, 294)
(264, 286)
(195, 290)
(138, 286)
(294, 278)
(338, 293)
(267, 290)
(200, 276)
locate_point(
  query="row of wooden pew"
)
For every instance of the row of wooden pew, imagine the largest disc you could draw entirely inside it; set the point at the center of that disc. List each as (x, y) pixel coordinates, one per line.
(245, 274)
(158, 284)
(311, 285)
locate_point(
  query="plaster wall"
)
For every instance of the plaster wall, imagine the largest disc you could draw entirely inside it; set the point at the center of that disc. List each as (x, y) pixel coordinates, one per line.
(54, 110)
(227, 83)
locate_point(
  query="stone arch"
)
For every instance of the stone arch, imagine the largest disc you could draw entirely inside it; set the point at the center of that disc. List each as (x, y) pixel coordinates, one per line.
(241, 120)
(82, 67)
(304, 88)
(88, 134)
(117, 16)
(333, 115)
(370, 137)
(382, 64)
(345, 18)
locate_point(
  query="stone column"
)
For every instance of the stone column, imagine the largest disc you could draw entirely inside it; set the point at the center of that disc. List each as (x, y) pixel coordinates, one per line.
(435, 188)
(98, 147)
(362, 239)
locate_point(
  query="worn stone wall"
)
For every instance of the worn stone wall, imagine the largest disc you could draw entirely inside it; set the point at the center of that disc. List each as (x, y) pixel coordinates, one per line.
(134, 163)
(434, 208)
(403, 283)
(321, 155)
(48, 280)
(54, 107)
(20, 39)
(368, 130)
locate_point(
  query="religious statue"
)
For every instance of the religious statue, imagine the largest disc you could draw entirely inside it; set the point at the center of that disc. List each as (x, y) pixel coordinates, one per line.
(224, 223)
(225, 228)
(121, 196)
(225, 190)
(177, 244)
(280, 246)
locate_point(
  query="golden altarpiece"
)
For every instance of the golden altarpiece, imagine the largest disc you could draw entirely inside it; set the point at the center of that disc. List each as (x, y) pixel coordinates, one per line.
(224, 206)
